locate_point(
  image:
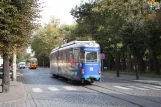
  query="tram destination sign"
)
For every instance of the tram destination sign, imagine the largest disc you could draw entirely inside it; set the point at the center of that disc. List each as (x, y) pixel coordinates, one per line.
(90, 49)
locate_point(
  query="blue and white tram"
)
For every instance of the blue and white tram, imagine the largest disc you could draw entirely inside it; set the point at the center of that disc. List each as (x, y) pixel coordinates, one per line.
(77, 60)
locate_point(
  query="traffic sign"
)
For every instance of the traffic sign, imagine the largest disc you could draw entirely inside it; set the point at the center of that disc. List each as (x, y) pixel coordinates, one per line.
(102, 55)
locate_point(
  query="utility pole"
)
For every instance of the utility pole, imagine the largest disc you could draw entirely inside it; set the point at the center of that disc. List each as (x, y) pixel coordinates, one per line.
(14, 65)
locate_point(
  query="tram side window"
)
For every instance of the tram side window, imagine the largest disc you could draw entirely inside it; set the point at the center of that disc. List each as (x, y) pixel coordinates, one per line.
(76, 54)
(68, 55)
(64, 57)
(81, 56)
(54, 60)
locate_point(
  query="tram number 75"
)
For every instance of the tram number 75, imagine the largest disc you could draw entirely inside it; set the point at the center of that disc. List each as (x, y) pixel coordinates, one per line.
(91, 69)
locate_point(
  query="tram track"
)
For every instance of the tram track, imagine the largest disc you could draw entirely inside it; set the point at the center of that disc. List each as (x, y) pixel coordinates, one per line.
(125, 93)
(141, 102)
(117, 94)
(136, 100)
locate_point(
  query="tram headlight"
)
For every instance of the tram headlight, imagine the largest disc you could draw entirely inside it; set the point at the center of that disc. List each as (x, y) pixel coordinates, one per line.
(99, 71)
(82, 71)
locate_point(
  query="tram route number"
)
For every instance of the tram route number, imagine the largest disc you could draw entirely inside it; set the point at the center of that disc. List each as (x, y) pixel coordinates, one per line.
(91, 69)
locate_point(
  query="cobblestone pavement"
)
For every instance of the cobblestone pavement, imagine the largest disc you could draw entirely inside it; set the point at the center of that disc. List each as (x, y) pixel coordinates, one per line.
(41, 91)
(145, 88)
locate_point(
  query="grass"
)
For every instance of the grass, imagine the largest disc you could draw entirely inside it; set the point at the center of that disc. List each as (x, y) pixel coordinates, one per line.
(146, 74)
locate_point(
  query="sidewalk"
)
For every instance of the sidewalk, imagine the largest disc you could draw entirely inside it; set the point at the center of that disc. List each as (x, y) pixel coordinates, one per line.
(145, 80)
(16, 91)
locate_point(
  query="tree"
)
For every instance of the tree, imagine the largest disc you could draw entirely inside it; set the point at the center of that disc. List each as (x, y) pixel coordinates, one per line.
(153, 38)
(101, 23)
(86, 19)
(16, 23)
(119, 24)
(68, 32)
(46, 39)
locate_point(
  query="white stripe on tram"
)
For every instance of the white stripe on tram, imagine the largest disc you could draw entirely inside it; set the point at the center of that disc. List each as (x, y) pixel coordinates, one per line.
(138, 88)
(124, 88)
(70, 88)
(53, 89)
(37, 90)
(151, 88)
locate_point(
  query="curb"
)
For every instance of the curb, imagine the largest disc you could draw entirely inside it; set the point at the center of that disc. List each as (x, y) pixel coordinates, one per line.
(134, 80)
(140, 82)
(147, 83)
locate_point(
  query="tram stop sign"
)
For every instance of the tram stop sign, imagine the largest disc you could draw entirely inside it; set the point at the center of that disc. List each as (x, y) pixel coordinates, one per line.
(102, 55)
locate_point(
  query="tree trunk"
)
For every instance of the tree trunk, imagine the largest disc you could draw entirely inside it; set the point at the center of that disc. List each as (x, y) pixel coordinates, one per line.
(117, 61)
(123, 62)
(136, 69)
(155, 62)
(6, 75)
(136, 63)
(141, 63)
(128, 60)
(151, 68)
(118, 64)
(111, 61)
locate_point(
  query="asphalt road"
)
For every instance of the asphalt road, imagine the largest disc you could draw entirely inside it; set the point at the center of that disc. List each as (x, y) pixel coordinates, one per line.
(42, 90)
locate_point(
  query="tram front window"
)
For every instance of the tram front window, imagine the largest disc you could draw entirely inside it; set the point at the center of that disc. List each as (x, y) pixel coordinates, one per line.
(92, 57)
(33, 62)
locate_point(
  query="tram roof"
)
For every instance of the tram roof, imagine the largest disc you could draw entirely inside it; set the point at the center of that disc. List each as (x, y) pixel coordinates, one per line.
(76, 44)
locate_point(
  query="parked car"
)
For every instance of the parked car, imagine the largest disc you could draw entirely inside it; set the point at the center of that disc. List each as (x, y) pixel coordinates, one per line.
(1, 72)
(22, 65)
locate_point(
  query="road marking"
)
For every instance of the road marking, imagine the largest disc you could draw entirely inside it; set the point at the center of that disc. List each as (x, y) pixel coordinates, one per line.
(138, 88)
(53, 89)
(125, 88)
(151, 88)
(70, 88)
(157, 86)
(37, 90)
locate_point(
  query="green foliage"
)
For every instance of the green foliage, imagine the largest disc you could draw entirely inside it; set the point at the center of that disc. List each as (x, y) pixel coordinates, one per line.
(121, 23)
(99, 21)
(16, 24)
(68, 32)
(86, 19)
(46, 39)
(17, 21)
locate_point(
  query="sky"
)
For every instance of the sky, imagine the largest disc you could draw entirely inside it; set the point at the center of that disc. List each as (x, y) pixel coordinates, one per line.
(59, 9)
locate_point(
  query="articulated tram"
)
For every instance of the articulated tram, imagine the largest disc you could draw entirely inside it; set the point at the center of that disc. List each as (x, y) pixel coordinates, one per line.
(77, 60)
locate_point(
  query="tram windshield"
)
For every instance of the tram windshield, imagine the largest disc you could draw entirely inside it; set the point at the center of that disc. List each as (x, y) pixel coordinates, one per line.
(92, 56)
(33, 62)
(89, 57)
